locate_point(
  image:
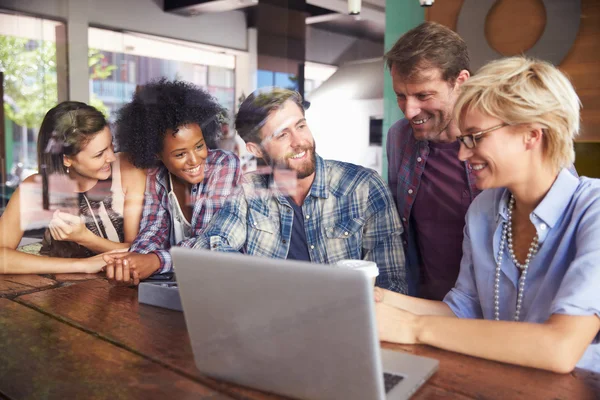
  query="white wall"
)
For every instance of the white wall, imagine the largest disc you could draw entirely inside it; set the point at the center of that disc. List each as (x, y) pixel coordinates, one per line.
(146, 16)
(341, 130)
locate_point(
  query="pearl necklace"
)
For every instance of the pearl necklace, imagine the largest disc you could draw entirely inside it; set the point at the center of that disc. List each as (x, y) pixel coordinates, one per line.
(507, 236)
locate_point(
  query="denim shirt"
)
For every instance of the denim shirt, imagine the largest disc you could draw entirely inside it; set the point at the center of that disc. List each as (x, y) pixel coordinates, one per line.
(349, 214)
(563, 277)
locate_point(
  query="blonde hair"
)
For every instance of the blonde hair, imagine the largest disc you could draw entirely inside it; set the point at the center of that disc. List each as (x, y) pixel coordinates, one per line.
(520, 90)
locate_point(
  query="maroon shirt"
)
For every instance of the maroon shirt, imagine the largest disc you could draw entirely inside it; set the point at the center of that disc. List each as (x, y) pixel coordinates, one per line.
(438, 216)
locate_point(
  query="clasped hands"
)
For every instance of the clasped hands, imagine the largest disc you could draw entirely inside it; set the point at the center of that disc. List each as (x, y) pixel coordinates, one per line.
(395, 324)
(129, 268)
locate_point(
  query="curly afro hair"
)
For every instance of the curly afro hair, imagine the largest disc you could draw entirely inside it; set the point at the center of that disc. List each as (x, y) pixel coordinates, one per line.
(159, 106)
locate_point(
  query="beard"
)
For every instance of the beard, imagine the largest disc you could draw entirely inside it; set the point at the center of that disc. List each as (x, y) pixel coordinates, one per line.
(302, 171)
(438, 123)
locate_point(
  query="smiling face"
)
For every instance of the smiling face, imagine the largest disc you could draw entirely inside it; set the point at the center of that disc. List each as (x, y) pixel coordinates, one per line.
(95, 159)
(427, 102)
(499, 158)
(184, 153)
(287, 141)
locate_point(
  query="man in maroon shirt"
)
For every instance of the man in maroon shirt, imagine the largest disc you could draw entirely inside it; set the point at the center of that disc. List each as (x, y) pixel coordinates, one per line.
(431, 187)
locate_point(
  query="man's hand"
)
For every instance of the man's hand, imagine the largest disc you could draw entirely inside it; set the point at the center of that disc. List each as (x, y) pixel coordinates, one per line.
(396, 325)
(68, 227)
(130, 268)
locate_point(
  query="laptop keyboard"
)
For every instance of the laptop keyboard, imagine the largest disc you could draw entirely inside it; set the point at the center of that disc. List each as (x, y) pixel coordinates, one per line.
(390, 381)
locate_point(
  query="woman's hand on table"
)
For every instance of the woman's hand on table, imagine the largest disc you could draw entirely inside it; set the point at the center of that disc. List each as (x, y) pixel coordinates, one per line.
(130, 268)
(379, 294)
(396, 325)
(95, 264)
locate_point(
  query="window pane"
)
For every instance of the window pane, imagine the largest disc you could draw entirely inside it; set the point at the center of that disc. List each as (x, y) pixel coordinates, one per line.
(28, 62)
(287, 81)
(122, 61)
(265, 78)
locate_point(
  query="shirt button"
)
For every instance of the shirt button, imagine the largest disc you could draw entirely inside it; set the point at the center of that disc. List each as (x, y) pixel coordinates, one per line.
(308, 216)
(284, 241)
(256, 223)
(403, 219)
(405, 242)
(410, 191)
(419, 159)
(543, 227)
(312, 247)
(345, 233)
(214, 246)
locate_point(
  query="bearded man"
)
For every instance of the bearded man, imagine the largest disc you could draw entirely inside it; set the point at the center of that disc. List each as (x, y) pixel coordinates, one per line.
(305, 208)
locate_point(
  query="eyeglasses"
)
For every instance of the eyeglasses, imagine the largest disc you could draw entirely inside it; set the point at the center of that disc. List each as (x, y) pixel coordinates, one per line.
(470, 139)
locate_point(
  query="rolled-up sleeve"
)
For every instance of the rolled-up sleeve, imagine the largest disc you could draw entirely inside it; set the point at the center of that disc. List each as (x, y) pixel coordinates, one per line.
(579, 293)
(463, 299)
(155, 226)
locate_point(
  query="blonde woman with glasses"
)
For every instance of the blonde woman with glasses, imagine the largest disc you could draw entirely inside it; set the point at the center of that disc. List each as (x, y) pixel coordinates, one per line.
(527, 292)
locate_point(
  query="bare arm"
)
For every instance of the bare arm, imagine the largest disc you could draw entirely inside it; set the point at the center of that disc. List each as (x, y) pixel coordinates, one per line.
(16, 262)
(556, 345)
(413, 304)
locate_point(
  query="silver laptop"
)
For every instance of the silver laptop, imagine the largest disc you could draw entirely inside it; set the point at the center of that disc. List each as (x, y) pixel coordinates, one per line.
(303, 330)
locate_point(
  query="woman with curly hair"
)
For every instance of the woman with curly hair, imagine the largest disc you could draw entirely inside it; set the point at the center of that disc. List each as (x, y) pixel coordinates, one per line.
(96, 197)
(172, 127)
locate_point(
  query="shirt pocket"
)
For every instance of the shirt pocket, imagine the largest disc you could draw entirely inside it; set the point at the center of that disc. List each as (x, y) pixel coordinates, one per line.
(344, 239)
(260, 223)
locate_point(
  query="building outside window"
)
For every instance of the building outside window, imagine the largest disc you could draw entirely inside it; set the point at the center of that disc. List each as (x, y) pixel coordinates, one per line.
(314, 75)
(127, 60)
(29, 64)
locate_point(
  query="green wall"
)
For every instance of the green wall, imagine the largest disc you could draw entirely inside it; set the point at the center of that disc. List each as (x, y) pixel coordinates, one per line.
(400, 16)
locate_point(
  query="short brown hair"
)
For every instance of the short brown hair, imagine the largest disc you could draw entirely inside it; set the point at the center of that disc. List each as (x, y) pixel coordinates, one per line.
(429, 45)
(255, 110)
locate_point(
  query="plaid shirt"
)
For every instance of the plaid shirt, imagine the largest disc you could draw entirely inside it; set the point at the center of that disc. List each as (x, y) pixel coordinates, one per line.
(406, 162)
(221, 175)
(349, 214)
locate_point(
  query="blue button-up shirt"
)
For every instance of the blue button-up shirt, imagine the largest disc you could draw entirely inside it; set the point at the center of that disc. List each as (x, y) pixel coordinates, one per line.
(349, 214)
(563, 277)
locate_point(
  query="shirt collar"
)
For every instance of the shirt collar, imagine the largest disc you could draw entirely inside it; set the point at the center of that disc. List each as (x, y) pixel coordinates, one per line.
(319, 187)
(556, 201)
(553, 204)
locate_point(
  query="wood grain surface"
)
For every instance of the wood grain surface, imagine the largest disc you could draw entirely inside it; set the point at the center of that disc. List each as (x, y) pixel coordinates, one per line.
(160, 334)
(42, 358)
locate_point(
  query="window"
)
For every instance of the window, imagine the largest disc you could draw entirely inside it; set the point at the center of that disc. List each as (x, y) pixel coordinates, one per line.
(122, 61)
(29, 63)
(267, 78)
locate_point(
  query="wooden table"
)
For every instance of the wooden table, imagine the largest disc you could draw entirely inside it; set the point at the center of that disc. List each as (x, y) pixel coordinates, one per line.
(76, 336)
